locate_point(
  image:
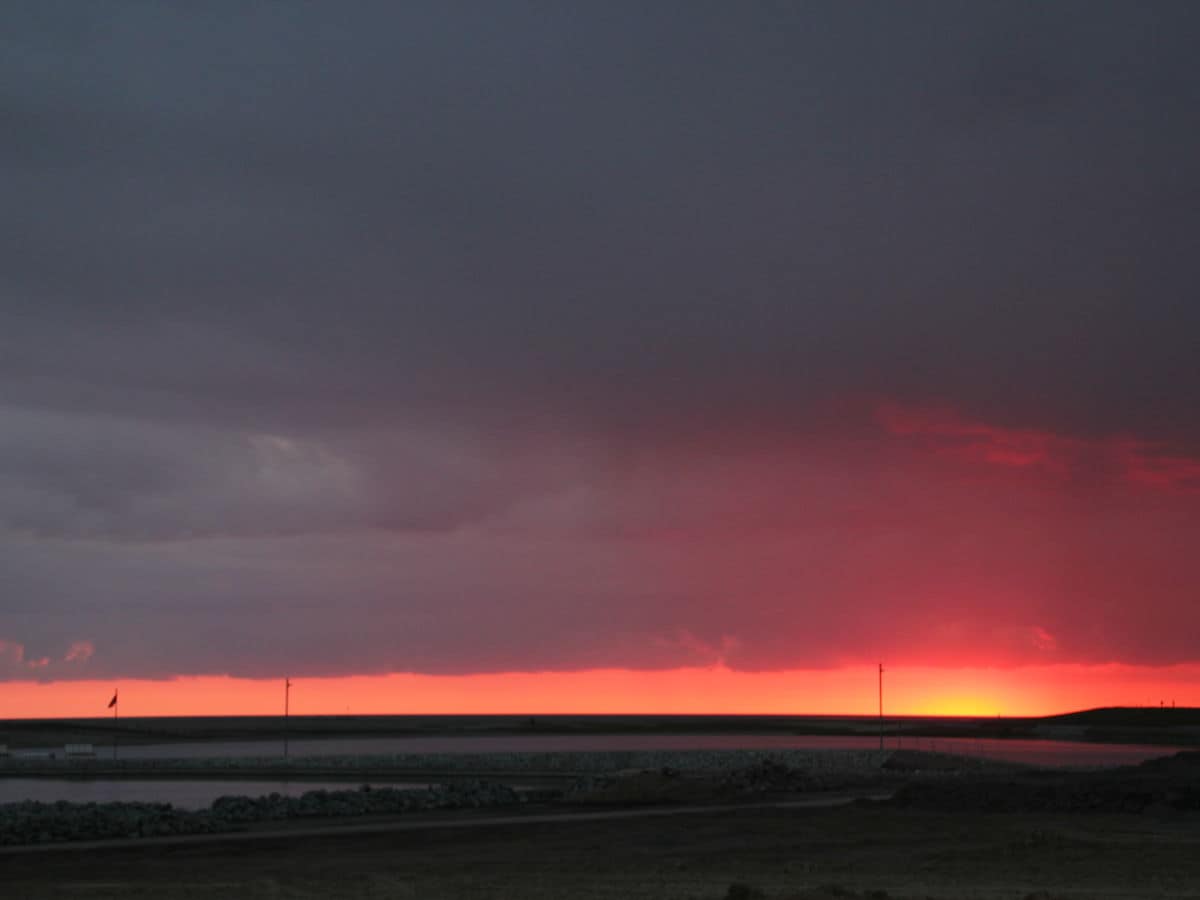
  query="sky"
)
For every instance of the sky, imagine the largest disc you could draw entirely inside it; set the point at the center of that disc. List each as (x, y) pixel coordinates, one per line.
(553, 357)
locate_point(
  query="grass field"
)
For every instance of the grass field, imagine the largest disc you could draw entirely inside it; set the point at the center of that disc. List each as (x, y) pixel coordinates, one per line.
(767, 853)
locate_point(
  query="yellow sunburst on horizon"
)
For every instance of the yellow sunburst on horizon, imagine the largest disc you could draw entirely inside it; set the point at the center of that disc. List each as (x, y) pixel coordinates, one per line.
(961, 705)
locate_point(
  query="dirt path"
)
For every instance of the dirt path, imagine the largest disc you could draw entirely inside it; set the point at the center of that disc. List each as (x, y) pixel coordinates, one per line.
(425, 823)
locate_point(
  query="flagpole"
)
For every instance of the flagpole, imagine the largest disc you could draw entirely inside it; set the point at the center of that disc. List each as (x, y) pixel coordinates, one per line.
(287, 688)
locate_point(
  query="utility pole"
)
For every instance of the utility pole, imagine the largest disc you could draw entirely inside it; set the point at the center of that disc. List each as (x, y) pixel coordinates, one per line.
(881, 706)
(287, 689)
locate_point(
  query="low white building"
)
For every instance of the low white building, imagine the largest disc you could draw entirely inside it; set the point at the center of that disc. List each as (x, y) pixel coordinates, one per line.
(79, 751)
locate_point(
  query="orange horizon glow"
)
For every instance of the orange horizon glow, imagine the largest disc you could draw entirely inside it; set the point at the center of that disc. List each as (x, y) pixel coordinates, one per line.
(1028, 691)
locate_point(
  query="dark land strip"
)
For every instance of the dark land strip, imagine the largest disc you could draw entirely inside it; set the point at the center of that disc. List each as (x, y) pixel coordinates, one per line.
(276, 830)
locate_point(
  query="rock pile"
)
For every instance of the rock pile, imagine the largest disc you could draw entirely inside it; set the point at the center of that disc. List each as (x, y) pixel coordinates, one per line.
(33, 822)
(363, 802)
(769, 776)
(764, 777)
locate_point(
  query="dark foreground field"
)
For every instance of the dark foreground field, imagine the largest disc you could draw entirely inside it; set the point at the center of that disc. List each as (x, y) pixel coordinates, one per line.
(936, 826)
(775, 853)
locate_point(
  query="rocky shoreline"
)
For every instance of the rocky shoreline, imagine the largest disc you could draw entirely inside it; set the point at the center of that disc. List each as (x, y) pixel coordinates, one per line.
(32, 822)
(919, 780)
(585, 776)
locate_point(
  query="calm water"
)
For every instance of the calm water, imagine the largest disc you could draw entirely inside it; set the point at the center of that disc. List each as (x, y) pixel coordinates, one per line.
(1041, 752)
(184, 794)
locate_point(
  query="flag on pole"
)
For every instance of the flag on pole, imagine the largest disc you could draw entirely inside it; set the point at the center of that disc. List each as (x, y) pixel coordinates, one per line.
(113, 701)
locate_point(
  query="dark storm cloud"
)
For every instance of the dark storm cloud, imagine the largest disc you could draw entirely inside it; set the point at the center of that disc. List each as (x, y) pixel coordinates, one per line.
(436, 207)
(438, 272)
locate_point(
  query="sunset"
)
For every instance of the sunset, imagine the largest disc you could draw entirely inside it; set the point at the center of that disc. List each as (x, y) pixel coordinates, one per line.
(915, 691)
(591, 374)
(884, 532)
(381, 380)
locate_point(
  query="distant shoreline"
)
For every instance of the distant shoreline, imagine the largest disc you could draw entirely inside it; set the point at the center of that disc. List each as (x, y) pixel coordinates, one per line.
(1166, 726)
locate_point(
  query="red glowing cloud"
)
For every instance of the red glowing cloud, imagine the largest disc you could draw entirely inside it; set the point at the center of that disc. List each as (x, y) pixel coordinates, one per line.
(1117, 459)
(918, 536)
(946, 434)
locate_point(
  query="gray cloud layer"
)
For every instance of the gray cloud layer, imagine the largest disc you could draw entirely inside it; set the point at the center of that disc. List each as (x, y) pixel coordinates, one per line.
(442, 337)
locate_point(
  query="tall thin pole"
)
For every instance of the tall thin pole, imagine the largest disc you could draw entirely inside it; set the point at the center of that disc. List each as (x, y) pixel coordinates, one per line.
(116, 706)
(287, 690)
(881, 706)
